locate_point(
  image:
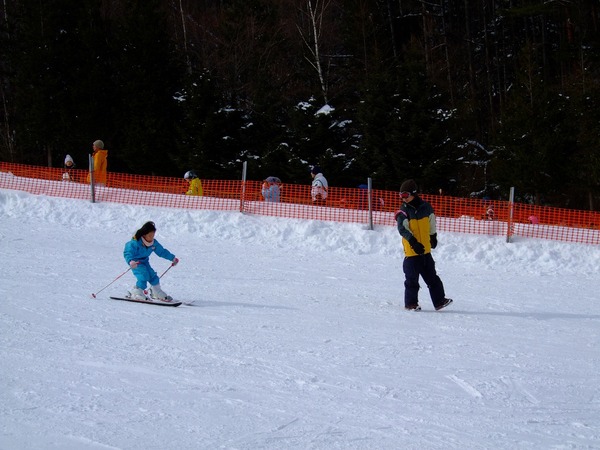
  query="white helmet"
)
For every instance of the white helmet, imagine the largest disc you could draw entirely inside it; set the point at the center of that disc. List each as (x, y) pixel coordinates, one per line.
(190, 174)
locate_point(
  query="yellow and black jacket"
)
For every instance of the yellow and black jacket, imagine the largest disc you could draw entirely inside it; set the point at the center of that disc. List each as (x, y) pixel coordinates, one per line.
(416, 219)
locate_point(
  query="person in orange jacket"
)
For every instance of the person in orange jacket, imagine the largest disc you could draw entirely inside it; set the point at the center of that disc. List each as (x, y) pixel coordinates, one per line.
(99, 155)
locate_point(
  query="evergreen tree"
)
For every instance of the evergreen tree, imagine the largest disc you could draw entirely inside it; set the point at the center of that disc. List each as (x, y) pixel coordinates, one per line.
(197, 101)
(584, 158)
(58, 50)
(406, 131)
(536, 143)
(417, 89)
(145, 73)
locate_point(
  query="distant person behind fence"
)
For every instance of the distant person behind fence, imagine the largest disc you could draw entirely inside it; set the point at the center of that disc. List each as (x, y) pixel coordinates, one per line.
(271, 190)
(533, 220)
(68, 166)
(363, 196)
(195, 185)
(99, 157)
(318, 189)
(489, 212)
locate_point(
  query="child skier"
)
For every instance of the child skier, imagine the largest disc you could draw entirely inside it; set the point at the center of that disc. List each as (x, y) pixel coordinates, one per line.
(137, 252)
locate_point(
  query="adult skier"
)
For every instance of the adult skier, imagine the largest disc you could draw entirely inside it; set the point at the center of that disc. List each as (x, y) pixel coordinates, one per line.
(417, 226)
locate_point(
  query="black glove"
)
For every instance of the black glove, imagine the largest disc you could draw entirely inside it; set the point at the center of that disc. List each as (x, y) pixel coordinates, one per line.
(433, 240)
(416, 246)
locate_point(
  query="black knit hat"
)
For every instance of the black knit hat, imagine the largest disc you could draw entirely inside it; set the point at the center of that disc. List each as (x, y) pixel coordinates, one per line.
(146, 228)
(409, 186)
(315, 169)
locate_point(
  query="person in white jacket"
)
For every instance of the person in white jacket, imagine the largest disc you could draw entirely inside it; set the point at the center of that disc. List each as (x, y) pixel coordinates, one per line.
(318, 190)
(69, 166)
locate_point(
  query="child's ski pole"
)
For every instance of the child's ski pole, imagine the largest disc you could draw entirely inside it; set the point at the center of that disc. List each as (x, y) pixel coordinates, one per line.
(173, 264)
(163, 274)
(94, 295)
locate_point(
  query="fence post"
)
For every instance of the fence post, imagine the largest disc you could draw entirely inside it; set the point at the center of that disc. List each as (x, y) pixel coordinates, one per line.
(243, 193)
(511, 209)
(370, 193)
(92, 191)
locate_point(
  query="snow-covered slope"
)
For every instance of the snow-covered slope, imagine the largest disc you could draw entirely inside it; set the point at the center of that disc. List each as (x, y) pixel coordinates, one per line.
(298, 340)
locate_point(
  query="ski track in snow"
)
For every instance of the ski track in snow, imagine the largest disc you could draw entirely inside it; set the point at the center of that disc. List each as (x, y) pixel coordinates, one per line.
(297, 338)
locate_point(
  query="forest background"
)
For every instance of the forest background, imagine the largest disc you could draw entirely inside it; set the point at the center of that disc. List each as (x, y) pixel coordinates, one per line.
(467, 96)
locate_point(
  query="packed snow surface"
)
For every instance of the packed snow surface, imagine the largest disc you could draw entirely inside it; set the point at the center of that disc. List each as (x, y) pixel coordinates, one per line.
(297, 338)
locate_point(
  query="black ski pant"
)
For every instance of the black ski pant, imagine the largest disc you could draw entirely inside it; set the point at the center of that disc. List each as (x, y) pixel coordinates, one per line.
(422, 265)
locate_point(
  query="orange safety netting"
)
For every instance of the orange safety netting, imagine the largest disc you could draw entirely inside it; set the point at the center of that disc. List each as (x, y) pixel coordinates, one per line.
(475, 216)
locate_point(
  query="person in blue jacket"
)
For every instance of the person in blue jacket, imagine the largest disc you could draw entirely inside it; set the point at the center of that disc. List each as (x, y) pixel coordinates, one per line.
(271, 190)
(417, 226)
(137, 254)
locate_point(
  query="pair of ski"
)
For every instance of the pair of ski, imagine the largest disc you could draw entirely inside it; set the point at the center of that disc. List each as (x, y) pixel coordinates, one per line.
(167, 302)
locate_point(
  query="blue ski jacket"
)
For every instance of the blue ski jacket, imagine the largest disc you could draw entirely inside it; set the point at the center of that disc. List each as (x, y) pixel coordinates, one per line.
(137, 251)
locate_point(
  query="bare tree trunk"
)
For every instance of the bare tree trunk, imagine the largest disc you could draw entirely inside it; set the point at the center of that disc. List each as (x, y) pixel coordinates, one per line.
(9, 141)
(582, 47)
(447, 57)
(185, 46)
(315, 16)
(472, 79)
(488, 70)
(364, 13)
(426, 35)
(393, 34)
(6, 18)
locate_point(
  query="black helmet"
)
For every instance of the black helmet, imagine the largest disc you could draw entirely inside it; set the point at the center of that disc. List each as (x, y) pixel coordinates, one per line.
(409, 186)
